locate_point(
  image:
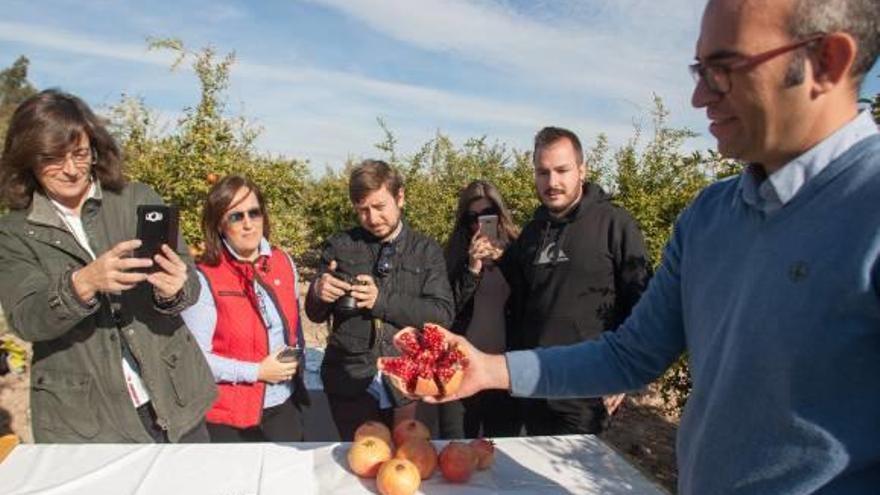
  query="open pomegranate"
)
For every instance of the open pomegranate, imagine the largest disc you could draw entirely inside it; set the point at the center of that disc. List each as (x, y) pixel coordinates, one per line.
(429, 366)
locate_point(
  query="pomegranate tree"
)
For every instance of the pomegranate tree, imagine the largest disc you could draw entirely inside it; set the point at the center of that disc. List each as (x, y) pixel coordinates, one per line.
(429, 366)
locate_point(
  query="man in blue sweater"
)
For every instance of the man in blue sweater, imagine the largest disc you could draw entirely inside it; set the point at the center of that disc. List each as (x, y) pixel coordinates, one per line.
(771, 280)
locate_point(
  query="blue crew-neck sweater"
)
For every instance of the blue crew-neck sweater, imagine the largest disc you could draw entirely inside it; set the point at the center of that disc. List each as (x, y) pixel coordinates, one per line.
(780, 316)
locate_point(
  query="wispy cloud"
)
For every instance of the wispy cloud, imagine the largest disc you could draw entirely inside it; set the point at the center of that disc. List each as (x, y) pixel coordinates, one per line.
(316, 74)
(580, 54)
(439, 101)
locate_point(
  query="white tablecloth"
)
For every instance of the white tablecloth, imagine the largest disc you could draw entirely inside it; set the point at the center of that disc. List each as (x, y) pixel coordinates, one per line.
(565, 464)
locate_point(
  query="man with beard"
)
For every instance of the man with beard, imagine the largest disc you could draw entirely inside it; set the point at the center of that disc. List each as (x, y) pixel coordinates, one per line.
(771, 279)
(374, 279)
(576, 271)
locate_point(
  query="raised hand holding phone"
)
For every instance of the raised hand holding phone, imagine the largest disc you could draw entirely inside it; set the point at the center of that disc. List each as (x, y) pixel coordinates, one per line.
(489, 226)
(112, 272)
(171, 275)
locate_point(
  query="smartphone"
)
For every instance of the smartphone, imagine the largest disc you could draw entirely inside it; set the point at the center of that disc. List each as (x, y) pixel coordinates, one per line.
(489, 226)
(291, 355)
(156, 225)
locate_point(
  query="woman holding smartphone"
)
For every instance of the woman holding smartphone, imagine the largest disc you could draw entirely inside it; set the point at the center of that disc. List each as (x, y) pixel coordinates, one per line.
(247, 320)
(483, 229)
(112, 360)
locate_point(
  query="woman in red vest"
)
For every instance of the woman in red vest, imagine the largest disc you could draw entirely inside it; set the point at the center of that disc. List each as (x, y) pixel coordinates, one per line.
(247, 320)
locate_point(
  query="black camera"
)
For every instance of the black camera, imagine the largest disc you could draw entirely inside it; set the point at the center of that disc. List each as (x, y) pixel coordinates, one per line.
(347, 303)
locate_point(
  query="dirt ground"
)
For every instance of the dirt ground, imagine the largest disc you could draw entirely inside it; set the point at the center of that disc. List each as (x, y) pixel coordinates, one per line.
(639, 430)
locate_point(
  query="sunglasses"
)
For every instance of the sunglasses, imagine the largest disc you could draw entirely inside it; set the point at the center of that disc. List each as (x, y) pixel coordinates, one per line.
(473, 216)
(385, 264)
(237, 216)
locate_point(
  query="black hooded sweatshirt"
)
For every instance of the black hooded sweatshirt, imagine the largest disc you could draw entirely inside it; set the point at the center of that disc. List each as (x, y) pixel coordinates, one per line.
(574, 277)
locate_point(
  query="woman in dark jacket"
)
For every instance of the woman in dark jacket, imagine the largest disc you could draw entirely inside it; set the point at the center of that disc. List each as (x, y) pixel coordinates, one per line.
(482, 310)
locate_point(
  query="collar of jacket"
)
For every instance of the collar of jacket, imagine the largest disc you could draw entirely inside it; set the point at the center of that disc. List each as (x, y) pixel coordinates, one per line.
(43, 212)
(364, 235)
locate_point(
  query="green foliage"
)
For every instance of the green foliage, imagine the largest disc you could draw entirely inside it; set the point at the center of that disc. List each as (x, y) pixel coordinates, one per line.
(655, 182)
(14, 89)
(206, 144)
(436, 173)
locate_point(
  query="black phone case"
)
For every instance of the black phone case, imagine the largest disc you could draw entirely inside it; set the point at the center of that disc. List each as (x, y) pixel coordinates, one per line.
(157, 225)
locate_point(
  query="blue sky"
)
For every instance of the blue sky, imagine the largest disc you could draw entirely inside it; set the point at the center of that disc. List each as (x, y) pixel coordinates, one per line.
(316, 74)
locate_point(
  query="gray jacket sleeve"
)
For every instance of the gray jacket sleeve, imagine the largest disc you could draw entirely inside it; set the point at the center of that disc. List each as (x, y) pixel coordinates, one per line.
(37, 307)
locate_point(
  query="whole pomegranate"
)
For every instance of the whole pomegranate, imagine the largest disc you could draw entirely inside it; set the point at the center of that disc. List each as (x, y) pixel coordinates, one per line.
(398, 477)
(421, 453)
(366, 456)
(485, 450)
(409, 429)
(429, 366)
(458, 461)
(373, 429)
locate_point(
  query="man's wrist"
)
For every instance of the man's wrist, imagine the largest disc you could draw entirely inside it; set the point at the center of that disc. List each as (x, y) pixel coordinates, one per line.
(500, 374)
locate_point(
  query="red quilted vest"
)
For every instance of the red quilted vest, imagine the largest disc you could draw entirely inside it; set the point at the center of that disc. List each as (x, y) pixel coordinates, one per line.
(240, 332)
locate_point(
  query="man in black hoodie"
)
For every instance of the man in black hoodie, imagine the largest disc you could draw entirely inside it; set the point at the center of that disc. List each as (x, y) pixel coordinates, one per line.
(576, 271)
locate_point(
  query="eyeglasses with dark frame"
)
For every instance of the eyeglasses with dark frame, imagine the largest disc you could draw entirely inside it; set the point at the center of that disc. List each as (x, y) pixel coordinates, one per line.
(238, 216)
(80, 157)
(385, 262)
(717, 76)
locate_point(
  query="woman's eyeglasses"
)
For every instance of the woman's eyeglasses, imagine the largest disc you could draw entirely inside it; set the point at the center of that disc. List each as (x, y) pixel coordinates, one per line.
(385, 263)
(237, 216)
(81, 157)
(472, 216)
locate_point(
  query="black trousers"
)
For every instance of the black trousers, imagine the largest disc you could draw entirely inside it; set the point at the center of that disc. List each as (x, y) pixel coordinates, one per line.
(349, 412)
(491, 413)
(563, 417)
(281, 423)
(199, 433)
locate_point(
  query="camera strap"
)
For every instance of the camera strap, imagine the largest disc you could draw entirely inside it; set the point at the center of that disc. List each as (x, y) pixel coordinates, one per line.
(376, 334)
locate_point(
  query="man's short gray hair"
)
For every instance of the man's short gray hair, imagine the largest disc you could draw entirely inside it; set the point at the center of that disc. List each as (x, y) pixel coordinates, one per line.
(859, 18)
